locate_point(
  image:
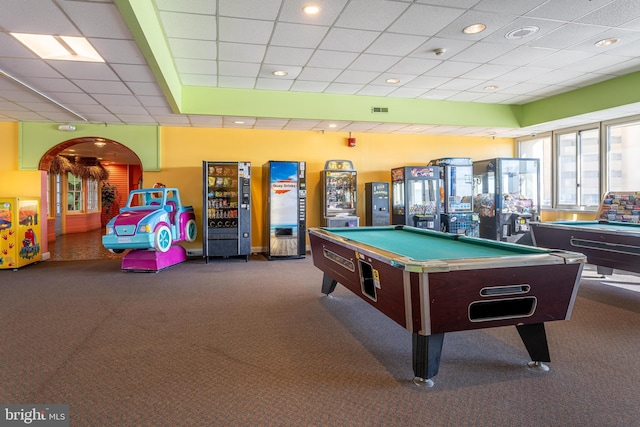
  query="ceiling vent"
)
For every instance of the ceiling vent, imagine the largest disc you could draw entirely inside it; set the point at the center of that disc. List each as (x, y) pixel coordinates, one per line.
(379, 110)
(520, 33)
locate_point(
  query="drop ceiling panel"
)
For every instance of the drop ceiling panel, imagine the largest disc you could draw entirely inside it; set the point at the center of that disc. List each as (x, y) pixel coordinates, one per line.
(193, 49)
(378, 63)
(297, 35)
(424, 20)
(370, 14)
(265, 9)
(350, 47)
(245, 30)
(567, 10)
(347, 39)
(613, 14)
(239, 52)
(192, 26)
(287, 55)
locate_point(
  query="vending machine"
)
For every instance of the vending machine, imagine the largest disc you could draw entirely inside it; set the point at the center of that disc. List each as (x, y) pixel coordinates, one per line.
(416, 193)
(507, 198)
(456, 209)
(226, 209)
(339, 187)
(377, 210)
(285, 209)
(19, 232)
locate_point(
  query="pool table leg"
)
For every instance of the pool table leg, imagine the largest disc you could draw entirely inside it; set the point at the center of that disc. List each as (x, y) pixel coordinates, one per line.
(427, 350)
(328, 284)
(535, 340)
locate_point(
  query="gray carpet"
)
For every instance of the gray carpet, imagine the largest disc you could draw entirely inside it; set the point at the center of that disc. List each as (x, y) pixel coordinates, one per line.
(231, 343)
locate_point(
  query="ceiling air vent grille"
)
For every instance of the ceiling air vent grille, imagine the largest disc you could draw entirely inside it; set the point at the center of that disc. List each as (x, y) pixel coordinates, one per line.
(379, 110)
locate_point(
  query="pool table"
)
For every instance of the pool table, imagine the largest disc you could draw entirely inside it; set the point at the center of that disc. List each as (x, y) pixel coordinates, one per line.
(607, 244)
(432, 283)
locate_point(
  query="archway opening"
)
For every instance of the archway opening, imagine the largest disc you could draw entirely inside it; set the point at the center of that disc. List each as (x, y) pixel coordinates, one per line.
(88, 180)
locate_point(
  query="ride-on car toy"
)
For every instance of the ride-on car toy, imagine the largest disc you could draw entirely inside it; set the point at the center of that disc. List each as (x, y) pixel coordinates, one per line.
(154, 218)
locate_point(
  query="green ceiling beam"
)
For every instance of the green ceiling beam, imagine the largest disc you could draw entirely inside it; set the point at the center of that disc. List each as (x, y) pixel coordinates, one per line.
(142, 19)
(320, 106)
(611, 93)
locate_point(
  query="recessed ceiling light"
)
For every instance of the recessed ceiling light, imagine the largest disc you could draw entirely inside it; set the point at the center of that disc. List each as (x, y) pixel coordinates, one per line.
(607, 42)
(520, 33)
(474, 29)
(393, 81)
(238, 122)
(280, 73)
(64, 48)
(311, 10)
(491, 87)
(333, 125)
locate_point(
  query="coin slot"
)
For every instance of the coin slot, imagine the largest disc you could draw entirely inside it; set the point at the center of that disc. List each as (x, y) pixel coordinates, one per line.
(504, 290)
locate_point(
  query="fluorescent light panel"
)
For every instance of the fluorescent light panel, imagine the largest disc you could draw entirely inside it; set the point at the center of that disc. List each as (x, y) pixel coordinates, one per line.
(63, 48)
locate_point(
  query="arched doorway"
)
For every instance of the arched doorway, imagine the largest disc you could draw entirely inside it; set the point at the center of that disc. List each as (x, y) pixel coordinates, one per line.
(82, 173)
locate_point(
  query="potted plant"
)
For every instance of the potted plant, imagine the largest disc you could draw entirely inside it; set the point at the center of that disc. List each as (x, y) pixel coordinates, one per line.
(108, 196)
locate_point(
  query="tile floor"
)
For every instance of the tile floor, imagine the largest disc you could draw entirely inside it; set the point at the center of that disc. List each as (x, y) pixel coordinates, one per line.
(79, 246)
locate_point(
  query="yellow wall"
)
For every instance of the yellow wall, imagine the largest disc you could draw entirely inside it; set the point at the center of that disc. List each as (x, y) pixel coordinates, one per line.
(14, 183)
(182, 151)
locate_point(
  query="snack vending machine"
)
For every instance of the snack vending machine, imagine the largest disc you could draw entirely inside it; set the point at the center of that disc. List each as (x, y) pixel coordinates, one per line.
(339, 186)
(377, 210)
(507, 198)
(226, 216)
(19, 232)
(416, 192)
(285, 209)
(456, 209)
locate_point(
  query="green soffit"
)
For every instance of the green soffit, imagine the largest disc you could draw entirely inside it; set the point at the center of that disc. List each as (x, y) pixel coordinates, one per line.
(142, 18)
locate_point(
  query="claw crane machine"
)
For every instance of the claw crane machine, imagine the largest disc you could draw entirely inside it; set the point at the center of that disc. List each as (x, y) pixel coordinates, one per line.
(19, 232)
(415, 192)
(339, 186)
(507, 198)
(457, 215)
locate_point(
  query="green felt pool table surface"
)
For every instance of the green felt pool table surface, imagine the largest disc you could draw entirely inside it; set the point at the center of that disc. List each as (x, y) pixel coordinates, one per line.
(427, 245)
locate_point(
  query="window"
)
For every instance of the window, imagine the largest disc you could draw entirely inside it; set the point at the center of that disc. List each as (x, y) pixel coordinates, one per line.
(540, 148)
(92, 195)
(74, 193)
(578, 169)
(623, 173)
(581, 166)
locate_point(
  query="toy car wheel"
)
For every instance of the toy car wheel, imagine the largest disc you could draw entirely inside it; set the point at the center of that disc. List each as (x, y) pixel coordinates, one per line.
(162, 239)
(190, 231)
(116, 251)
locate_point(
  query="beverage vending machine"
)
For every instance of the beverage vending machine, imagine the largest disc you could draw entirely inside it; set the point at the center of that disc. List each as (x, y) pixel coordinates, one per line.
(226, 216)
(456, 210)
(339, 186)
(285, 209)
(416, 193)
(19, 232)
